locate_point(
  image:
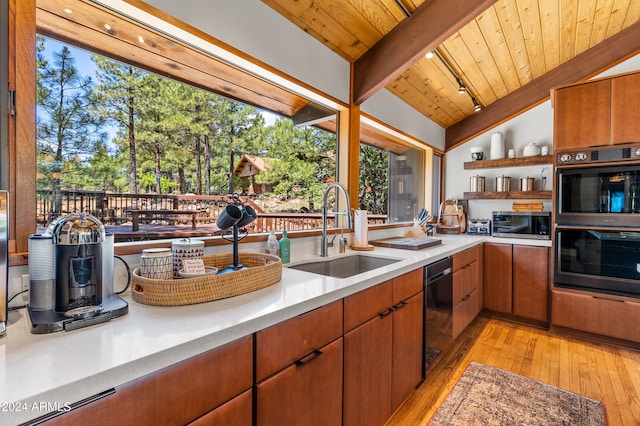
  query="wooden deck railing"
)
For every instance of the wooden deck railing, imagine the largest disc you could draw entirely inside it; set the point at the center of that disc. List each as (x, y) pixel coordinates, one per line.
(114, 209)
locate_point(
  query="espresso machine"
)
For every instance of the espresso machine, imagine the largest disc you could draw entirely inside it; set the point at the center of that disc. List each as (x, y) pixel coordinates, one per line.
(81, 294)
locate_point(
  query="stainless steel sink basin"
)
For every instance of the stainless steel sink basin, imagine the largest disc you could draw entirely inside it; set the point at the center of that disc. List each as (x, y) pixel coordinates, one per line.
(344, 267)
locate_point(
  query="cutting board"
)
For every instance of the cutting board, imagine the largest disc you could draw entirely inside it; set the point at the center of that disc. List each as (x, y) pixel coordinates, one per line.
(406, 243)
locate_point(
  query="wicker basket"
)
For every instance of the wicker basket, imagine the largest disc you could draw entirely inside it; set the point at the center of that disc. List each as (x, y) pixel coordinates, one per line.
(262, 271)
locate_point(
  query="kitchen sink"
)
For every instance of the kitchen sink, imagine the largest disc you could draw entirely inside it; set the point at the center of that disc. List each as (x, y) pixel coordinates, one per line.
(344, 267)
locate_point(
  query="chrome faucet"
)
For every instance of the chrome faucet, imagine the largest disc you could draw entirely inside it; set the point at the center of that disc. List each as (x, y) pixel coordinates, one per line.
(324, 244)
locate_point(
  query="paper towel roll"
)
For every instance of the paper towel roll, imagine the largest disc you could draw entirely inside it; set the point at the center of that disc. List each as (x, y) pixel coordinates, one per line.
(361, 225)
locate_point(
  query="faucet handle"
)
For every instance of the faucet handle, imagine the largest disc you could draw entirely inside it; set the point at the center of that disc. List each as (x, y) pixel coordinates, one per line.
(343, 244)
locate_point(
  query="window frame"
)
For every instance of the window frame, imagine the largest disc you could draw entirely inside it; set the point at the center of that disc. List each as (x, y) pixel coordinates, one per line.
(35, 16)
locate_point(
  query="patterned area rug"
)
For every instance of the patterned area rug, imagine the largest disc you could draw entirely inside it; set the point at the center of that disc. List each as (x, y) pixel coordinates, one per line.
(487, 395)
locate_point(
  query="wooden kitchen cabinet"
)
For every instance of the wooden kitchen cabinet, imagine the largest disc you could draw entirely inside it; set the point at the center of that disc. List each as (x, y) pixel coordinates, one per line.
(299, 369)
(497, 282)
(598, 313)
(597, 113)
(625, 108)
(178, 394)
(382, 348)
(582, 115)
(368, 356)
(467, 285)
(407, 336)
(530, 282)
(516, 280)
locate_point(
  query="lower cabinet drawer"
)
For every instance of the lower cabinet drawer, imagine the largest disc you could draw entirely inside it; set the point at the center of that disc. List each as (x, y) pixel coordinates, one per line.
(281, 344)
(603, 314)
(306, 393)
(464, 312)
(236, 412)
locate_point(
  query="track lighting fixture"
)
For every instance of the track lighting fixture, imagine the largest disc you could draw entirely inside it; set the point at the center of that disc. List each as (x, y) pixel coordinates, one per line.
(462, 88)
(476, 106)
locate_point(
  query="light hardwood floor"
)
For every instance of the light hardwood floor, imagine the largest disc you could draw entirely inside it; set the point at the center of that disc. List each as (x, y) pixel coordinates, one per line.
(599, 371)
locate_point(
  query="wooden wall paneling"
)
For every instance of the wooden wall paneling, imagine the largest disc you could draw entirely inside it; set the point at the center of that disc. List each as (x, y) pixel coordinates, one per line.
(509, 17)
(23, 197)
(350, 133)
(550, 11)
(480, 50)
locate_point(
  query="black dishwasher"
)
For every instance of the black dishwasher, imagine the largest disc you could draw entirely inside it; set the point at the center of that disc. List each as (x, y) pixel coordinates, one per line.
(438, 294)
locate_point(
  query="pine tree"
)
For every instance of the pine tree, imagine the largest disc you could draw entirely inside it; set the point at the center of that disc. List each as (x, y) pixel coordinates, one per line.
(68, 133)
(116, 94)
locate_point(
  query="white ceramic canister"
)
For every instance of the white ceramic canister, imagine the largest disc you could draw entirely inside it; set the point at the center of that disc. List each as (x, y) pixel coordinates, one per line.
(156, 264)
(185, 249)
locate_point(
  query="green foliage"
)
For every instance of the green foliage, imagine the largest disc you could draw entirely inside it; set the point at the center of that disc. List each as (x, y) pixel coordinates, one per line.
(373, 187)
(307, 160)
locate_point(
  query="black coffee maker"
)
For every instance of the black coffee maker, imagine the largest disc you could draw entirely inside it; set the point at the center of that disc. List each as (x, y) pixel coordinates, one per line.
(79, 300)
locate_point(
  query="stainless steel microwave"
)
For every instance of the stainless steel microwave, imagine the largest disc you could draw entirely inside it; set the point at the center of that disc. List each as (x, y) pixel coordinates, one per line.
(533, 225)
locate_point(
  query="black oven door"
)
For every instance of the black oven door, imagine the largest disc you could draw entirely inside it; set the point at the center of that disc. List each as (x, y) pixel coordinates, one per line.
(599, 260)
(598, 196)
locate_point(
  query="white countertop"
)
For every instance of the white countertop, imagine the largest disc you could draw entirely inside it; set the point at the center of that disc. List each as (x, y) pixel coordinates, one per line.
(66, 367)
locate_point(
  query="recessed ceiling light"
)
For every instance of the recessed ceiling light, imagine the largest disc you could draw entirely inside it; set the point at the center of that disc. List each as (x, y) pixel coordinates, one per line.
(67, 10)
(429, 54)
(140, 39)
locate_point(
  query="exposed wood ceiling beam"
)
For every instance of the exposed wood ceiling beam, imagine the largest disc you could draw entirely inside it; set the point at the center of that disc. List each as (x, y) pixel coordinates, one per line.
(582, 67)
(430, 24)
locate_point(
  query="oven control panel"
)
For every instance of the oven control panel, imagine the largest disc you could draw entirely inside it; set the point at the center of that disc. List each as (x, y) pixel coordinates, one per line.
(602, 155)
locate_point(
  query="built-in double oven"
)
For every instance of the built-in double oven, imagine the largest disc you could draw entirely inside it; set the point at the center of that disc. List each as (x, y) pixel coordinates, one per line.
(597, 220)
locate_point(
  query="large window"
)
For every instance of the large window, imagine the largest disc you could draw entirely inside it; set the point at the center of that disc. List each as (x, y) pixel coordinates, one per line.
(110, 131)
(100, 163)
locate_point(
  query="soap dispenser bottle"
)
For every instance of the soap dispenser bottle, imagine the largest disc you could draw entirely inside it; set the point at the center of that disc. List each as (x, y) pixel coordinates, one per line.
(273, 247)
(285, 245)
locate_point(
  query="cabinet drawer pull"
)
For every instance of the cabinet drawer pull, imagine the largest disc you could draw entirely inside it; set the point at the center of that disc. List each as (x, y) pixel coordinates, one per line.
(400, 305)
(387, 312)
(308, 358)
(464, 299)
(608, 299)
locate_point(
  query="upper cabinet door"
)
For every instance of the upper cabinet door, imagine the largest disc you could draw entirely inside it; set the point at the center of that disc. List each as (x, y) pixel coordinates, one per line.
(625, 109)
(582, 115)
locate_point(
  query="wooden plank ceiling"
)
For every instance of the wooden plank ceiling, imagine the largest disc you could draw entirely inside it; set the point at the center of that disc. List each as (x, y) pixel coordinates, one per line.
(510, 48)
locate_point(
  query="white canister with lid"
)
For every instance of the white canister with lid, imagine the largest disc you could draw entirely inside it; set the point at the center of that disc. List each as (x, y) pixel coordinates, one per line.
(185, 249)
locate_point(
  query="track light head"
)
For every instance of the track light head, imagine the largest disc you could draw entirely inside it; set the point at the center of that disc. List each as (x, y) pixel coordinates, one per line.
(476, 106)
